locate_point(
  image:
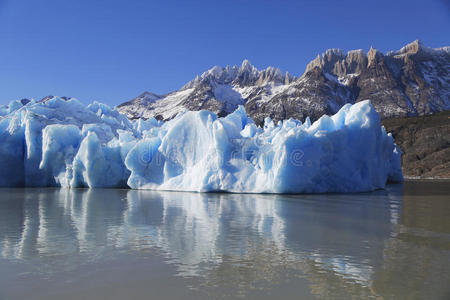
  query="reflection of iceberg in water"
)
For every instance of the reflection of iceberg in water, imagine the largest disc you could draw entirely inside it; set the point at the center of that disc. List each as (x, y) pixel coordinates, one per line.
(337, 243)
(194, 229)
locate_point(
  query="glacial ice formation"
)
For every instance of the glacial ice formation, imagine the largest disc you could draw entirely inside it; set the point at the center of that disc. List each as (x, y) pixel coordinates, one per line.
(64, 143)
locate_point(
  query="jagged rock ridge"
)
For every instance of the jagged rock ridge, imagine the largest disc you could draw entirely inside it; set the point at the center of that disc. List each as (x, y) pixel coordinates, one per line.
(412, 81)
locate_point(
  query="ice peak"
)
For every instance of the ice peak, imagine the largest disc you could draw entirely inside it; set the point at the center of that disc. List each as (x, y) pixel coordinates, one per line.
(67, 144)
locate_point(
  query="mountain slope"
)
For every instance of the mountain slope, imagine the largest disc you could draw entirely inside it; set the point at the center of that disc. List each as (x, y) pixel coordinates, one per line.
(425, 142)
(412, 81)
(219, 89)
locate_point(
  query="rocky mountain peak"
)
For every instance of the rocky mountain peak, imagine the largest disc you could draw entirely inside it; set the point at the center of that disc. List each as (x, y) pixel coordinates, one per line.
(336, 62)
(353, 63)
(327, 60)
(419, 50)
(288, 78)
(244, 75)
(356, 57)
(149, 97)
(246, 66)
(247, 74)
(373, 56)
(270, 74)
(216, 74)
(414, 80)
(144, 99)
(414, 46)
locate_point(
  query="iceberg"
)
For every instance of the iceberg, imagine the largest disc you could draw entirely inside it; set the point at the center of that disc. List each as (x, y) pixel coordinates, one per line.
(63, 143)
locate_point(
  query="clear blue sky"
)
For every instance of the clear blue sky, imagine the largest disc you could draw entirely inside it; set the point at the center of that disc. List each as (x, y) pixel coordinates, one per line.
(113, 50)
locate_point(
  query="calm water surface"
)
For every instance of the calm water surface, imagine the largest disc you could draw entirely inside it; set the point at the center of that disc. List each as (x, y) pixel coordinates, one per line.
(127, 244)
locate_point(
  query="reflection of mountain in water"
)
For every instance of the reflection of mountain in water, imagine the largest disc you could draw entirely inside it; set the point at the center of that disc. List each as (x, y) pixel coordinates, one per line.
(343, 245)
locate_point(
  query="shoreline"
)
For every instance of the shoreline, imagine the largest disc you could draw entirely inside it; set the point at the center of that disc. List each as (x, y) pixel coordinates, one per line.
(426, 179)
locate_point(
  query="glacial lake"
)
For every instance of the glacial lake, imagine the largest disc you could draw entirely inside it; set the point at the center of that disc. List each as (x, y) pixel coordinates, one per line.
(130, 244)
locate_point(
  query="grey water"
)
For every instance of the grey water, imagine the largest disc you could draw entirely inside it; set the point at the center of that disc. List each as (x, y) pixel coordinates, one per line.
(130, 244)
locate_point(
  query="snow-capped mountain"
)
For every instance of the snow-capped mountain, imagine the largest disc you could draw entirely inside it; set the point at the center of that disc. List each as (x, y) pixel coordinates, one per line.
(414, 80)
(219, 89)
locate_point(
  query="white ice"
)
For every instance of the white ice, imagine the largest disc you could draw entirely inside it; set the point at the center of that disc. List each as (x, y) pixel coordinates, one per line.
(64, 143)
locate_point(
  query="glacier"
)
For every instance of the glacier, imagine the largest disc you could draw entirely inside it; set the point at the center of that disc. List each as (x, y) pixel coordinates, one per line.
(64, 143)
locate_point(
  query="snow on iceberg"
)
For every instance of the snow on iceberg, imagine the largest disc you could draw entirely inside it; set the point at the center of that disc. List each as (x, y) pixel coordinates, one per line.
(64, 143)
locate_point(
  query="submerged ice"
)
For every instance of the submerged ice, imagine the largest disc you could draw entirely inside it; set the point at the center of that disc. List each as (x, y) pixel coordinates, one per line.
(64, 143)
